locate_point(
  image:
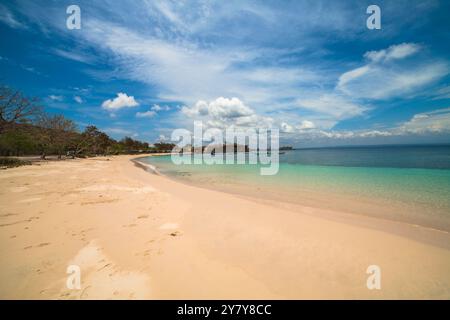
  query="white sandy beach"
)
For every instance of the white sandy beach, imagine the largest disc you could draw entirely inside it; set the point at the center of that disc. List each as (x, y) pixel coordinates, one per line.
(137, 235)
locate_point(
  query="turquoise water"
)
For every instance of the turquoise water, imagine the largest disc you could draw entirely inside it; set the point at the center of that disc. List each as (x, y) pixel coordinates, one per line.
(404, 182)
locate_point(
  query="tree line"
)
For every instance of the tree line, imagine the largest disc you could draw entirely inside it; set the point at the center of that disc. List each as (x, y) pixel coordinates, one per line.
(26, 129)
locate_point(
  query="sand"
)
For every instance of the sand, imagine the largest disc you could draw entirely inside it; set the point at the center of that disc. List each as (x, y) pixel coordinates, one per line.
(138, 235)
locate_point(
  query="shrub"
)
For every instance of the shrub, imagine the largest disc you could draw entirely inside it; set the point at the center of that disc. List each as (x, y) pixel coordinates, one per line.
(12, 162)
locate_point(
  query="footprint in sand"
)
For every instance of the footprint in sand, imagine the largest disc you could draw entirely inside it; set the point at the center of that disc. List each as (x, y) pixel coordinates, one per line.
(43, 244)
(8, 215)
(37, 246)
(129, 225)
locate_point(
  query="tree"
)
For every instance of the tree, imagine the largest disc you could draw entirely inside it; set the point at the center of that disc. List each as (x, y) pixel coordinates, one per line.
(164, 147)
(25, 129)
(57, 134)
(130, 145)
(18, 142)
(16, 108)
(93, 141)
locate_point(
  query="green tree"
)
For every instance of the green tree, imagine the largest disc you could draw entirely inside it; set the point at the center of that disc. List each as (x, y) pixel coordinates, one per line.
(57, 133)
(93, 141)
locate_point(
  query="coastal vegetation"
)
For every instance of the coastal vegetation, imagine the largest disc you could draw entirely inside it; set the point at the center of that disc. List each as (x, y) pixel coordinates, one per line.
(7, 162)
(26, 129)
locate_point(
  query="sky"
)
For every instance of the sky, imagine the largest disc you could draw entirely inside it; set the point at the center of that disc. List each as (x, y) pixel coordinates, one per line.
(310, 68)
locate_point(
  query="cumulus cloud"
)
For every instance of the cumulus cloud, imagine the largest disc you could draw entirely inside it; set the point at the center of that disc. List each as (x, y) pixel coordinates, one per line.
(157, 107)
(152, 112)
(223, 112)
(121, 101)
(221, 108)
(286, 128)
(437, 121)
(427, 123)
(306, 125)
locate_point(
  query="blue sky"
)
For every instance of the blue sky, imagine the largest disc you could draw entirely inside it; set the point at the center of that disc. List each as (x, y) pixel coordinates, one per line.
(311, 68)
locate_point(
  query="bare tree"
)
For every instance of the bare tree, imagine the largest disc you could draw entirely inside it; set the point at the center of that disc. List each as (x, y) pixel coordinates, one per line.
(58, 132)
(16, 108)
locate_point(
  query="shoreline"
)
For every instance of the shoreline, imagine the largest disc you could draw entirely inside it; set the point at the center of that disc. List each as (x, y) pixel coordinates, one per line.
(146, 236)
(415, 231)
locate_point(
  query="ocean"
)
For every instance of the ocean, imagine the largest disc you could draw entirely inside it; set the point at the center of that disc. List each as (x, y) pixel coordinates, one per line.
(404, 183)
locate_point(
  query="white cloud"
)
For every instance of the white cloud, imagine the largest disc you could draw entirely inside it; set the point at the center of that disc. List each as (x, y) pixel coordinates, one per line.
(427, 123)
(333, 105)
(78, 99)
(174, 56)
(7, 17)
(146, 114)
(121, 101)
(442, 93)
(352, 75)
(375, 133)
(306, 125)
(187, 72)
(286, 128)
(382, 80)
(221, 108)
(398, 51)
(71, 55)
(157, 108)
(55, 97)
(223, 112)
(282, 76)
(436, 121)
